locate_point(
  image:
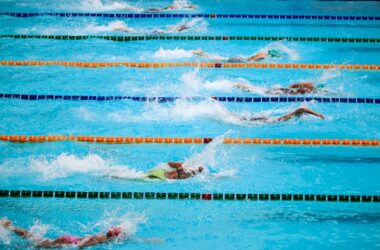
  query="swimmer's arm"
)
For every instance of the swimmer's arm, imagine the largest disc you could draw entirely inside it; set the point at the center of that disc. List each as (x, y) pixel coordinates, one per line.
(92, 241)
(175, 165)
(258, 56)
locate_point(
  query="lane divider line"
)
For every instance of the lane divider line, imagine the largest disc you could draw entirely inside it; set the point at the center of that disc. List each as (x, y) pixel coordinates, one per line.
(187, 140)
(197, 38)
(192, 64)
(162, 99)
(196, 15)
(189, 196)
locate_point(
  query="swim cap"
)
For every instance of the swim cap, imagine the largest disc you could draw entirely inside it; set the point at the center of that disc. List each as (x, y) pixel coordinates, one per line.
(275, 53)
(320, 86)
(114, 232)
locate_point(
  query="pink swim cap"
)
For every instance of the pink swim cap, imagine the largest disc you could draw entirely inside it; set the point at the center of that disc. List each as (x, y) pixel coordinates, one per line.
(114, 232)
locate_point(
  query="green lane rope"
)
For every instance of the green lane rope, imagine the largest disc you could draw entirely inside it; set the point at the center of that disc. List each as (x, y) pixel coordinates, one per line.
(187, 196)
(195, 38)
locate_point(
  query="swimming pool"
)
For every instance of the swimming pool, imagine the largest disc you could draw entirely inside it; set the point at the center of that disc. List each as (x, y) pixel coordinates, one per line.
(232, 168)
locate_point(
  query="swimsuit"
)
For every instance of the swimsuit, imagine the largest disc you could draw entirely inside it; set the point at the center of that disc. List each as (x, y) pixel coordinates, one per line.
(237, 59)
(70, 239)
(157, 174)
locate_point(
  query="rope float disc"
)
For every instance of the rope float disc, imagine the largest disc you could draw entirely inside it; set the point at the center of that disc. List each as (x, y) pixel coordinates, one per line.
(187, 140)
(196, 15)
(197, 38)
(162, 99)
(192, 64)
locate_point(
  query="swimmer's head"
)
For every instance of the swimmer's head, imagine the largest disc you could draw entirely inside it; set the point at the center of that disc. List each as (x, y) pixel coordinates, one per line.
(275, 53)
(114, 232)
(200, 169)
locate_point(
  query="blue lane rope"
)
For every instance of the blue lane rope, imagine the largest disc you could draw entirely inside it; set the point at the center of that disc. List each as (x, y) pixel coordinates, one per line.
(192, 98)
(179, 15)
(187, 196)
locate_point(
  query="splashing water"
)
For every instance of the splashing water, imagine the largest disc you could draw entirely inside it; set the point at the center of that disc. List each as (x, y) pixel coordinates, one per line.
(5, 236)
(38, 230)
(212, 165)
(183, 5)
(172, 53)
(128, 222)
(98, 5)
(110, 27)
(328, 75)
(66, 164)
(193, 84)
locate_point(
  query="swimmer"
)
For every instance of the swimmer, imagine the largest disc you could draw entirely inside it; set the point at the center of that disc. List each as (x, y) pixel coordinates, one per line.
(125, 29)
(183, 5)
(297, 113)
(179, 173)
(293, 89)
(64, 240)
(179, 27)
(272, 53)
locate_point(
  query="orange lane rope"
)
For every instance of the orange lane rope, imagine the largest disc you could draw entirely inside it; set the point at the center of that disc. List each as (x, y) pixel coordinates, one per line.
(179, 140)
(192, 64)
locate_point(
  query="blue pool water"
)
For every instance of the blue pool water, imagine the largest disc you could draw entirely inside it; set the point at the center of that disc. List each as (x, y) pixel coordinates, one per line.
(189, 224)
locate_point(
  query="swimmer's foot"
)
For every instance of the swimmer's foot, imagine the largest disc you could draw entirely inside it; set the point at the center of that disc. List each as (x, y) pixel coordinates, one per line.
(5, 223)
(198, 52)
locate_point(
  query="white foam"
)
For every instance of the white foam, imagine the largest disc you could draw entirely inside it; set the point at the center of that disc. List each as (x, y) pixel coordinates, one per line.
(5, 236)
(183, 5)
(38, 230)
(175, 53)
(128, 222)
(67, 164)
(206, 157)
(194, 84)
(84, 113)
(328, 75)
(110, 27)
(99, 5)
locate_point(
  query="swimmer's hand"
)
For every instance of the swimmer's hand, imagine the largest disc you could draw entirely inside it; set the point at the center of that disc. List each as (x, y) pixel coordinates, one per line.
(321, 116)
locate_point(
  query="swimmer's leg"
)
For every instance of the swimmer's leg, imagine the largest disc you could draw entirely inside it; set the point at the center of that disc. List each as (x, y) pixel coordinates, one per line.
(299, 112)
(244, 87)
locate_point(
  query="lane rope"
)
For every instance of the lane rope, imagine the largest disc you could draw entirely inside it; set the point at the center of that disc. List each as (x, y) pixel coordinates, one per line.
(192, 64)
(196, 15)
(189, 196)
(196, 38)
(187, 140)
(162, 99)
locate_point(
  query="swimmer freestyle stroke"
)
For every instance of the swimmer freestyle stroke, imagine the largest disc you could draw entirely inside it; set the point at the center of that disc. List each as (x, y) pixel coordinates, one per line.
(180, 5)
(266, 119)
(272, 53)
(179, 27)
(293, 89)
(69, 240)
(169, 171)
